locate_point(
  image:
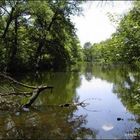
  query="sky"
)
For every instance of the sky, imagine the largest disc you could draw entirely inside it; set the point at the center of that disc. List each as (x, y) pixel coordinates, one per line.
(94, 25)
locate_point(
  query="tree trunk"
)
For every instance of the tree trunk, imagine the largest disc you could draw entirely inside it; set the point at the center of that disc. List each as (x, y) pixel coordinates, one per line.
(8, 23)
(12, 58)
(42, 41)
(14, 49)
(38, 52)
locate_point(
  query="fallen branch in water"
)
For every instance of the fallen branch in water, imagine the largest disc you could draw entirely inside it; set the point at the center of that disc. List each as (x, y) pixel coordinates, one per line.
(16, 82)
(19, 83)
(82, 104)
(76, 104)
(34, 94)
(17, 94)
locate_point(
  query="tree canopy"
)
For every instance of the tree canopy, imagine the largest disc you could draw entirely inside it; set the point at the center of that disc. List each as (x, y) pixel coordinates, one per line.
(38, 34)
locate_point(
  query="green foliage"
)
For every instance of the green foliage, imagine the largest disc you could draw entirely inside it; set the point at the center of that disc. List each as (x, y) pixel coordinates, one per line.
(38, 34)
(87, 51)
(124, 45)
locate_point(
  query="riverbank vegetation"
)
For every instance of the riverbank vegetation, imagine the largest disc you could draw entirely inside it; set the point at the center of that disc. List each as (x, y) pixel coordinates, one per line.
(124, 45)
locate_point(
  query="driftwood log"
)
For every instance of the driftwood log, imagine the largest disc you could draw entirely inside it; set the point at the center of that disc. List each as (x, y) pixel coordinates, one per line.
(34, 94)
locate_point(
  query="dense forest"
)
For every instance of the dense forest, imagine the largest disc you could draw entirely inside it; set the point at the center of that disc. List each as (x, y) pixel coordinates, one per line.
(41, 35)
(38, 34)
(124, 45)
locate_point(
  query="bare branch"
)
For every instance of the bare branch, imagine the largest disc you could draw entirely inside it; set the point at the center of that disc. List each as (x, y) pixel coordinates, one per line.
(5, 10)
(15, 81)
(16, 93)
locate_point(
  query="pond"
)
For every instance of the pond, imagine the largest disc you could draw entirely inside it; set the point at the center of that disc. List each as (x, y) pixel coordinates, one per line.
(112, 105)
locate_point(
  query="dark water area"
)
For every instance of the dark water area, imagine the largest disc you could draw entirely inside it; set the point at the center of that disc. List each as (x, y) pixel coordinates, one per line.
(111, 111)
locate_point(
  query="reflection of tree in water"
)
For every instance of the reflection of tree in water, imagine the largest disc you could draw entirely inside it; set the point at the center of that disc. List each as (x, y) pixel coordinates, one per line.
(52, 124)
(126, 85)
(88, 71)
(88, 76)
(128, 92)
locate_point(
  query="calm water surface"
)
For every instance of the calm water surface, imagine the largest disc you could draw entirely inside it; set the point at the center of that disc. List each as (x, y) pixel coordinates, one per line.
(112, 108)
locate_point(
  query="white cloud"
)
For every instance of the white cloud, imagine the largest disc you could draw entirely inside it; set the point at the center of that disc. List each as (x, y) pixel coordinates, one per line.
(95, 26)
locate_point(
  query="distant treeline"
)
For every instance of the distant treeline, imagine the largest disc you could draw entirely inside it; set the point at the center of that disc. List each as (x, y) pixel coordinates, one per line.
(124, 44)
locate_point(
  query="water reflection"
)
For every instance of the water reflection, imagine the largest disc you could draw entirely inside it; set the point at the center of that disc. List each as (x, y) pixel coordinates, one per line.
(126, 86)
(115, 94)
(107, 127)
(47, 120)
(36, 125)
